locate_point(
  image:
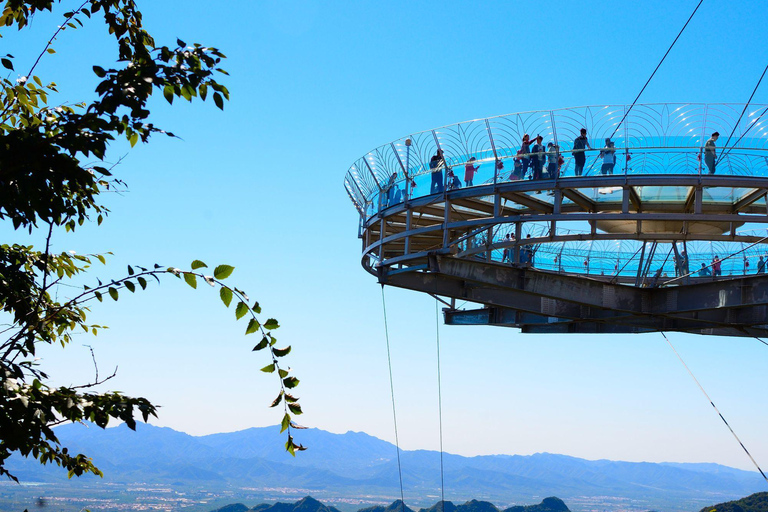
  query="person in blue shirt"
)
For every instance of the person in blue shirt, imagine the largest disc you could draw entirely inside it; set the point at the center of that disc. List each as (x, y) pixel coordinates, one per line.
(704, 271)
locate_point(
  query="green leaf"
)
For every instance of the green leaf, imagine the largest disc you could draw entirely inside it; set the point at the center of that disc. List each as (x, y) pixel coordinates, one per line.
(290, 398)
(98, 296)
(51, 50)
(226, 296)
(198, 264)
(99, 71)
(270, 368)
(191, 280)
(130, 286)
(290, 382)
(253, 326)
(282, 373)
(294, 408)
(262, 344)
(285, 423)
(218, 100)
(130, 270)
(290, 447)
(241, 310)
(142, 283)
(281, 352)
(168, 93)
(271, 324)
(277, 400)
(112, 293)
(7, 63)
(223, 271)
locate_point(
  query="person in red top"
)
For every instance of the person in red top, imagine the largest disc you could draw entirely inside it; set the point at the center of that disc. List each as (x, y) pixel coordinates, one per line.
(716, 262)
(469, 172)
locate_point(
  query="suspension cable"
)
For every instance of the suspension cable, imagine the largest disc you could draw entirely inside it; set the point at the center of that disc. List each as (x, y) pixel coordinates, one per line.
(440, 407)
(726, 149)
(392, 392)
(657, 68)
(714, 406)
(746, 105)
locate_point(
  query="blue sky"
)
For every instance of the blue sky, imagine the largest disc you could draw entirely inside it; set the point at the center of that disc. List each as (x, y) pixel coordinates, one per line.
(314, 86)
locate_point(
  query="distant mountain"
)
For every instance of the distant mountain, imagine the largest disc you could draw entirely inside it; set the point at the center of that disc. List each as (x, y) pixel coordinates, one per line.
(309, 504)
(551, 504)
(356, 464)
(396, 506)
(757, 502)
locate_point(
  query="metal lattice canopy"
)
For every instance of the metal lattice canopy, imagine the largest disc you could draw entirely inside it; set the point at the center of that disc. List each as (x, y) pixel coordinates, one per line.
(633, 250)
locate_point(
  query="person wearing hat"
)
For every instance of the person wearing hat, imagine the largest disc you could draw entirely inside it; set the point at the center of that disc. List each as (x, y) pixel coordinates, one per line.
(608, 154)
(710, 152)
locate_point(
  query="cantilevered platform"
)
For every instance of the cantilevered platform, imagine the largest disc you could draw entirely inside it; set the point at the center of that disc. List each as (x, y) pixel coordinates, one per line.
(632, 251)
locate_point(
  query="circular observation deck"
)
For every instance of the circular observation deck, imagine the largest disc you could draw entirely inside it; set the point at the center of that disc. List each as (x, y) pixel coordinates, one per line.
(642, 236)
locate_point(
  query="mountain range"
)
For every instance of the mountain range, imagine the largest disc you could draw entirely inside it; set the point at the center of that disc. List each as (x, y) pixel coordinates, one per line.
(356, 464)
(310, 504)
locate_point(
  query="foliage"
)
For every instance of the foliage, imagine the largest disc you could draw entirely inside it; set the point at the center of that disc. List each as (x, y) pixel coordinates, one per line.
(45, 187)
(757, 502)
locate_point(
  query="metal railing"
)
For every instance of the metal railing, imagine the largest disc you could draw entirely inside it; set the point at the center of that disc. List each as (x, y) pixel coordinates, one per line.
(653, 139)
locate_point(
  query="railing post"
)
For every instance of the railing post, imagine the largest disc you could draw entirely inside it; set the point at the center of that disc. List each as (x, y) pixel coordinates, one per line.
(557, 146)
(495, 155)
(626, 142)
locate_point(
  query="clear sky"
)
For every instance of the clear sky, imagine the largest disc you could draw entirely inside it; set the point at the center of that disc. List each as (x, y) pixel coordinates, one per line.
(314, 86)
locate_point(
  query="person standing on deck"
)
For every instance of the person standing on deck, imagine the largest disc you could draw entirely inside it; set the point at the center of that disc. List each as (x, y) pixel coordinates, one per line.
(716, 266)
(580, 145)
(761, 265)
(710, 153)
(436, 164)
(553, 153)
(525, 155)
(537, 157)
(469, 172)
(608, 154)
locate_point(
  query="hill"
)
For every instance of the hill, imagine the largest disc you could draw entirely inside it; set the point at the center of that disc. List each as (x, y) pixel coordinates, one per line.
(757, 502)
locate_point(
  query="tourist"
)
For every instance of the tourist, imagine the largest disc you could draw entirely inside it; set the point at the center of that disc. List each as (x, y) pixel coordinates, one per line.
(716, 262)
(580, 145)
(506, 253)
(393, 191)
(553, 154)
(525, 155)
(517, 170)
(710, 152)
(608, 154)
(704, 271)
(436, 164)
(761, 265)
(452, 181)
(469, 172)
(537, 157)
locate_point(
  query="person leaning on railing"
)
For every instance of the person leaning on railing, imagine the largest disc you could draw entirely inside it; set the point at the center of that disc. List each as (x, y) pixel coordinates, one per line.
(608, 154)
